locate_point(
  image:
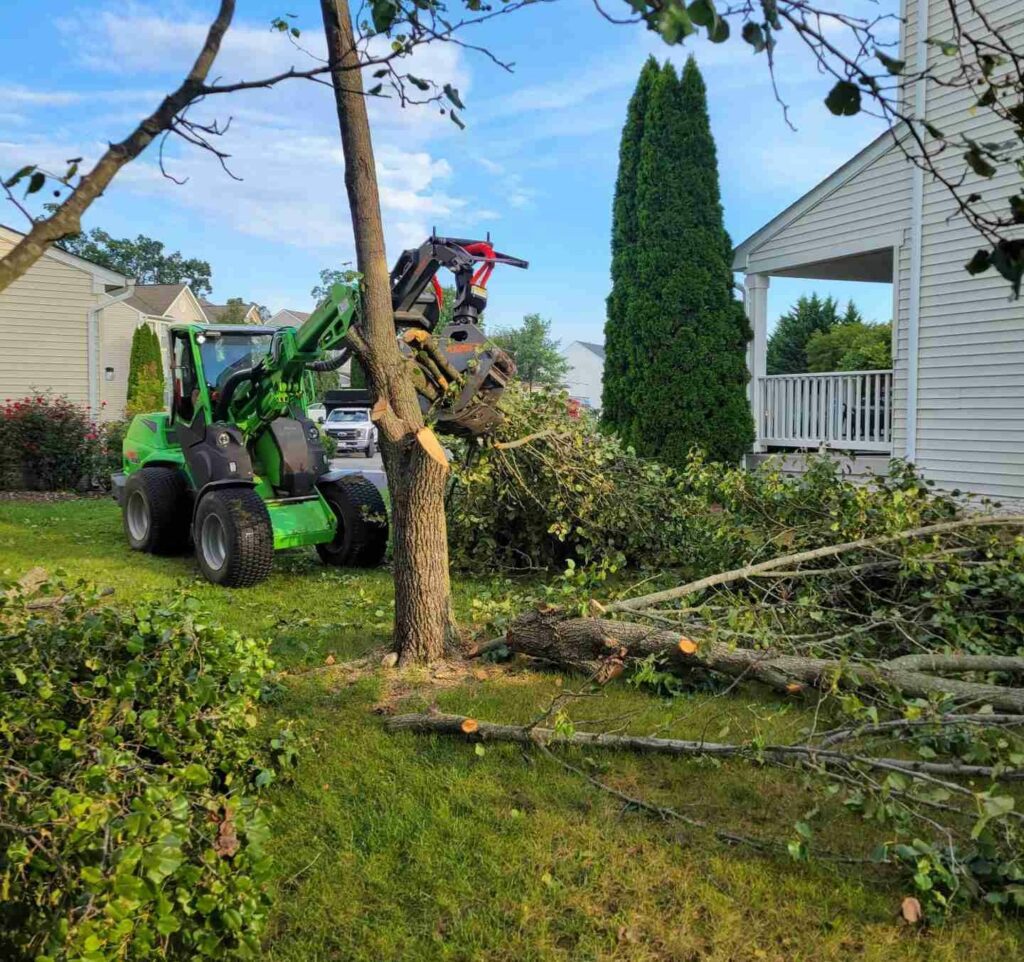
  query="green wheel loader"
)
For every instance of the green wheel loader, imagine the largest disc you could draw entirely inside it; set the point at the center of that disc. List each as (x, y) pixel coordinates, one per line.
(237, 469)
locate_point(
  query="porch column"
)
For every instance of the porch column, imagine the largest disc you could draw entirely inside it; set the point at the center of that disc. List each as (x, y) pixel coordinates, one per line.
(755, 300)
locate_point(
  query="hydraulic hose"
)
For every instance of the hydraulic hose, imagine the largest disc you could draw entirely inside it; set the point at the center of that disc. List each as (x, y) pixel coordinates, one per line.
(330, 365)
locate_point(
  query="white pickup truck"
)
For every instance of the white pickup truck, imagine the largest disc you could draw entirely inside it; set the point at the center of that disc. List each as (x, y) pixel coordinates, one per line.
(352, 430)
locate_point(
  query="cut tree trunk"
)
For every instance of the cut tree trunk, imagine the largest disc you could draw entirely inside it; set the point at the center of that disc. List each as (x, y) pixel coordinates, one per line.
(425, 628)
(602, 649)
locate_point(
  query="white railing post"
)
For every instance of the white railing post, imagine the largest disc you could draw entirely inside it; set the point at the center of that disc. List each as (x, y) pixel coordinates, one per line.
(755, 300)
(846, 411)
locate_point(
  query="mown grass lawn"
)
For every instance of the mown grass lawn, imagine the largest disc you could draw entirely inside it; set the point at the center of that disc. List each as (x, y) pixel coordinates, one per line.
(411, 848)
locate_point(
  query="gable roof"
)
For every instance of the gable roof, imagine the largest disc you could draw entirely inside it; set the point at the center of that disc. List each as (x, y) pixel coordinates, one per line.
(882, 144)
(597, 349)
(292, 318)
(101, 273)
(214, 312)
(155, 298)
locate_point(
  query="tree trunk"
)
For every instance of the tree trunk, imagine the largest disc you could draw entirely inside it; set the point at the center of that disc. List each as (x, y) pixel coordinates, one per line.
(602, 649)
(425, 628)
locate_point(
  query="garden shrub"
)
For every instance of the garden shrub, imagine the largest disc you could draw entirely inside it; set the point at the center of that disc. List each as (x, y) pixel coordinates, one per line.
(145, 372)
(130, 764)
(49, 443)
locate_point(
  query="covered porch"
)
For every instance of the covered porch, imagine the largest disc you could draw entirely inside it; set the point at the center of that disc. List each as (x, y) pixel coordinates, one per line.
(841, 411)
(850, 227)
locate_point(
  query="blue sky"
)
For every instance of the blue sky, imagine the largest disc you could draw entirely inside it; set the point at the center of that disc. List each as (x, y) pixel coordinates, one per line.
(535, 166)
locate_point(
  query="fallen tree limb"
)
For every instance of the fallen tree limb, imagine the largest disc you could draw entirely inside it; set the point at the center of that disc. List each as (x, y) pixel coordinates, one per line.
(828, 551)
(601, 649)
(474, 730)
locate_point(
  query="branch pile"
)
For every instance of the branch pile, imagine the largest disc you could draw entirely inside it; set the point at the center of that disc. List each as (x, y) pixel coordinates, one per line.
(909, 646)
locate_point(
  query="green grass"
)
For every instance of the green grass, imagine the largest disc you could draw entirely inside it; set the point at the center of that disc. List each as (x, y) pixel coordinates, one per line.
(416, 848)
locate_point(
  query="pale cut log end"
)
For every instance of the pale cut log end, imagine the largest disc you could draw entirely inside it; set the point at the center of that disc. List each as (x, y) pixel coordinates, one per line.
(427, 440)
(415, 335)
(469, 725)
(688, 646)
(379, 409)
(793, 688)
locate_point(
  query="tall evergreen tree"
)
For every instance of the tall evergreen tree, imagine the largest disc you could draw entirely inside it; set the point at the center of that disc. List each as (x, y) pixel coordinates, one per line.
(620, 354)
(685, 386)
(787, 345)
(145, 372)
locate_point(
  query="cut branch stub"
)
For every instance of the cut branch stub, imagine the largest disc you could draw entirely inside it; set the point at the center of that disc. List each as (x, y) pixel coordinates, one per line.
(427, 440)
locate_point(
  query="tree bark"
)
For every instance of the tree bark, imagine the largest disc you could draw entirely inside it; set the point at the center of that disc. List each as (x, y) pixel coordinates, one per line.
(474, 730)
(602, 649)
(67, 219)
(425, 628)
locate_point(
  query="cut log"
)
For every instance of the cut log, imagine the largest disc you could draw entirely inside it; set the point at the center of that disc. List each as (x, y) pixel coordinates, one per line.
(428, 441)
(479, 731)
(580, 644)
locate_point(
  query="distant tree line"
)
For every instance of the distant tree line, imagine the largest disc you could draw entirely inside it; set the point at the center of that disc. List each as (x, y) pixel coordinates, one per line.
(813, 336)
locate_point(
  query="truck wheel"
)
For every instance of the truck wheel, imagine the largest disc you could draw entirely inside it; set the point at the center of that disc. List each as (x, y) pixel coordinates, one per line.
(362, 535)
(234, 537)
(371, 449)
(155, 510)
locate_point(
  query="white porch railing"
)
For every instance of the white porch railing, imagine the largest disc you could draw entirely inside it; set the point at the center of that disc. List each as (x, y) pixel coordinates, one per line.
(849, 410)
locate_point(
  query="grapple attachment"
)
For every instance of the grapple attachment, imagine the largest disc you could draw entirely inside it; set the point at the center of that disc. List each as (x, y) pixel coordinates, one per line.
(459, 375)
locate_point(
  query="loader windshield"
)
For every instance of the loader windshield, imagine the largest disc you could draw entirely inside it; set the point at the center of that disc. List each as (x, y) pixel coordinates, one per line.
(223, 354)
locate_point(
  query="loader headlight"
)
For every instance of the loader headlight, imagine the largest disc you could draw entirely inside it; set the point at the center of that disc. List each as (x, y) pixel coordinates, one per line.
(223, 439)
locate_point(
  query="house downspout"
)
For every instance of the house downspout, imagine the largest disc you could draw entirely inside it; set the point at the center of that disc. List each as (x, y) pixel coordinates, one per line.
(916, 240)
(93, 342)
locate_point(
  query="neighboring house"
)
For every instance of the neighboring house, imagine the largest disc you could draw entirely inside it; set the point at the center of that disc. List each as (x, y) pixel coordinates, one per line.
(586, 368)
(57, 328)
(953, 402)
(215, 312)
(288, 318)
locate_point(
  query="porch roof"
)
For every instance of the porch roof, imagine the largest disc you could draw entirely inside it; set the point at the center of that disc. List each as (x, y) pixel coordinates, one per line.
(832, 246)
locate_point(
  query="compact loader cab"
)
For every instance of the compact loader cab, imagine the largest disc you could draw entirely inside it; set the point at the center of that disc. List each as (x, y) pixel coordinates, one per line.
(236, 466)
(238, 488)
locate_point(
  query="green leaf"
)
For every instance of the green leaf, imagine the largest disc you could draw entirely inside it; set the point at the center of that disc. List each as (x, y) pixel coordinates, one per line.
(383, 13)
(894, 66)
(977, 162)
(453, 95)
(718, 32)
(374, 90)
(417, 82)
(754, 35)
(20, 676)
(457, 120)
(479, 750)
(996, 805)
(844, 99)
(702, 13)
(35, 182)
(18, 175)
(675, 25)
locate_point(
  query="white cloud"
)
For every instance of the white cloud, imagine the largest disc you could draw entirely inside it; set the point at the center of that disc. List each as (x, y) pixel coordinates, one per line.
(283, 143)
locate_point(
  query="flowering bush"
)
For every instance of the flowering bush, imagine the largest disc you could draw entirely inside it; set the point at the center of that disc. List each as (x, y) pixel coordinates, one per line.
(49, 443)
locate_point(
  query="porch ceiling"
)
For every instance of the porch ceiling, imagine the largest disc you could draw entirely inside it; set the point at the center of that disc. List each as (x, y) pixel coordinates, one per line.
(874, 265)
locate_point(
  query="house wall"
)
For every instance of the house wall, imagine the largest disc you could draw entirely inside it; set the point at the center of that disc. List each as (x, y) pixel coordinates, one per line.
(44, 329)
(117, 327)
(586, 371)
(970, 393)
(186, 308)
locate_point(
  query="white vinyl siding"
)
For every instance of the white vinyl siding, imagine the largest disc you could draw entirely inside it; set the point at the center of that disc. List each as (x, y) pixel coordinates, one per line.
(43, 329)
(117, 328)
(970, 427)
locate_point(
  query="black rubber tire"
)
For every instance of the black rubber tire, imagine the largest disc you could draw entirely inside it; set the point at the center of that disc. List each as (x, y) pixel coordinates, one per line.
(245, 542)
(371, 449)
(362, 537)
(156, 509)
